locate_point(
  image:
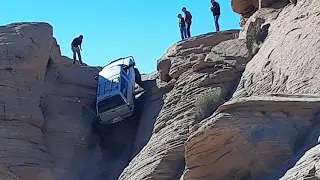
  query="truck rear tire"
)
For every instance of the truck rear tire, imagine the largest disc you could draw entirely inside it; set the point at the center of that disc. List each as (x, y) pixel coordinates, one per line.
(137, 77)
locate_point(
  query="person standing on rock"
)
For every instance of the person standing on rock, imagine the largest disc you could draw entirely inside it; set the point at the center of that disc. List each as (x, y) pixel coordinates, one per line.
(182, 26)
(76, 48)
(215, 9)
(188, 20)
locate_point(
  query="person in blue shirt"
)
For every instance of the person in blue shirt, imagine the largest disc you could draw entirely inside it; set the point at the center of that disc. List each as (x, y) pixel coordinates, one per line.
(182, 26)
(215, 9)
(76, 48)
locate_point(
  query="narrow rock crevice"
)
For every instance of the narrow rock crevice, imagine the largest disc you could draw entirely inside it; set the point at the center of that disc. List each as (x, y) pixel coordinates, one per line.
(180, 170)
(43, 104)
(303, 134)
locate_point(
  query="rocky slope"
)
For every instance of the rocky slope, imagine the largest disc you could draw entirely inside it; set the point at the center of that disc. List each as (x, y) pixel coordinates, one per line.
(238, 105)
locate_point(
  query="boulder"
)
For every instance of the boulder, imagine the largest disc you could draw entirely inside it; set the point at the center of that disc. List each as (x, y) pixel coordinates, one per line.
(244, 7)
(247, 8)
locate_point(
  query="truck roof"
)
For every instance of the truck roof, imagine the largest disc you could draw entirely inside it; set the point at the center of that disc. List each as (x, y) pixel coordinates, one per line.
(121, 61)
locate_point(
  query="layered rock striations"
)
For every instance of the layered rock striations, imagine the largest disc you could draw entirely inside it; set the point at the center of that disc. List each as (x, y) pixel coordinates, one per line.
(273, 113)
(229, 105)
(191, 68)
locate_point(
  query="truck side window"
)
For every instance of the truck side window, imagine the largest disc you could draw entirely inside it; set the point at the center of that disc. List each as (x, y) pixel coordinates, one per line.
(126, 69)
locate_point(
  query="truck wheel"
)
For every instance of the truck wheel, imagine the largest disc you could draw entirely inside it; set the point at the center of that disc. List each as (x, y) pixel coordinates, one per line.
(137, 76)
(133, 101)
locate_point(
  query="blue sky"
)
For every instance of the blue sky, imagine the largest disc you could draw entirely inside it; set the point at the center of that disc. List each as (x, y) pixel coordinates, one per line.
(118, 28)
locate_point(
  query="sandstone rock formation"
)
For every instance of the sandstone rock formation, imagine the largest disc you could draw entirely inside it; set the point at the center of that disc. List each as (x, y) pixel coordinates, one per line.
(193, 67)
(45, 134)
(67, 130)
(50, 136)
(273, 110)
(247, 8)
(248, 136)
(238, 105)
(307, 167)
(24, 51)
(5, 174)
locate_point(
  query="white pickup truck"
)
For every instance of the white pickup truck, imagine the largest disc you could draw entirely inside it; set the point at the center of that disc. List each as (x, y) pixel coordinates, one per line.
(115, 92)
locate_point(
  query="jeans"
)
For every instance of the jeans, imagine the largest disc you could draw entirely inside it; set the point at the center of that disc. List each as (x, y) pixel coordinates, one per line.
(76, 50)
(188, 28)
(216, 21)
(183, 32)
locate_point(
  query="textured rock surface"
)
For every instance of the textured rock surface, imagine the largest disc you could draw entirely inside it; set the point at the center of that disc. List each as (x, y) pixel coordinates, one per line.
(5, 174)
(301, 162)
(248, 136)
(265, 15)
(277, 68)
(268, 123)
(307, 167)
(245, 7)
(67, 130)
(152, 102)
(24, 52)
(182, 55)
(269, 117)
(45, 134)
(50, 136)
(218, 62)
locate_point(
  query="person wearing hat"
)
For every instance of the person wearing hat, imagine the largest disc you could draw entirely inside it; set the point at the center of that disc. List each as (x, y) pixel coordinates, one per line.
(76, 48)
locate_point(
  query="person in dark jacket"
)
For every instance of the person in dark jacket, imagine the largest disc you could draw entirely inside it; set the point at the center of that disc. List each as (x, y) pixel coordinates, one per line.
(188, 20)
(76, 48)
(215, 9)
(182, 26)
